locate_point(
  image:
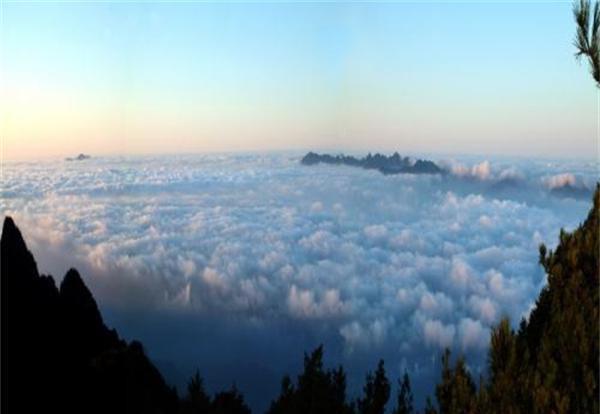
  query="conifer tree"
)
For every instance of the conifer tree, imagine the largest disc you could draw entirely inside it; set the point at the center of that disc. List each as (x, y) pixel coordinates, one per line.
(456, 392)
(587, 39)
(376, 392)
(405, 397)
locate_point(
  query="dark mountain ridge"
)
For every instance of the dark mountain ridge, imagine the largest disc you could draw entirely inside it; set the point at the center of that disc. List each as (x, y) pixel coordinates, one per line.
(57, 353)
(394, 164)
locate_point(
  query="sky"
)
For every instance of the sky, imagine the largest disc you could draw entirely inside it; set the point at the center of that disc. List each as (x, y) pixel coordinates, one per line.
(193, 77)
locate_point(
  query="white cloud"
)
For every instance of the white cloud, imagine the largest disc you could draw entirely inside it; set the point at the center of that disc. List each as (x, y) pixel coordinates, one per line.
(559, 180)
(461, 273)
(438, 334)
(320, 243)
(213, 279)
(187, 266)
(403, 263)
(376, 232)
(481, 171)
(512, 174)
(485, 221)
(495, 282)
(316, 207)
(484, 309)
(437, 304)
(472, 334)
(302, 303)
(356, 335)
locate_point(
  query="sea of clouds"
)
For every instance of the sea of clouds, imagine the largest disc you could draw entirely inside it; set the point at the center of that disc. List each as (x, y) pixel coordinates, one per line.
(238, 263)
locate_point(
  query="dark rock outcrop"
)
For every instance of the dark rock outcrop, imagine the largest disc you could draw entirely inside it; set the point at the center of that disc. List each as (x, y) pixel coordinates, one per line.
(394, 164)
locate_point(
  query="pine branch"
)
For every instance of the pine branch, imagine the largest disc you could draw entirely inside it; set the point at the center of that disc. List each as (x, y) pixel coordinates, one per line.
(587, 42)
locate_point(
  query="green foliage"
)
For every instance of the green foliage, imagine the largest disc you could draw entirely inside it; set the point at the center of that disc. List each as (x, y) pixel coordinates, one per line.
(561, 338)
(501, 395)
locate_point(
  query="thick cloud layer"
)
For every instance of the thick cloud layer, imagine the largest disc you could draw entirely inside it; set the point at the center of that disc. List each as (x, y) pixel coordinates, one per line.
(238, 263)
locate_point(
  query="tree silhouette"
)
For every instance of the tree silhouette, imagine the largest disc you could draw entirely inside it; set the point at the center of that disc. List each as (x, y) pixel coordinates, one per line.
(229, 402)
(317, 391)
(429, 408)
(405, 397)
(502, 393)
(587, 38)
(196, 401)
(456, 392)
(551, 364)
(376, 392)
(562, 370)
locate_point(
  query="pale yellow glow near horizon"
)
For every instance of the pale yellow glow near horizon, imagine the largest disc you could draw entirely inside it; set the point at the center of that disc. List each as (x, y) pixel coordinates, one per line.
(42, 123)
(138, 78)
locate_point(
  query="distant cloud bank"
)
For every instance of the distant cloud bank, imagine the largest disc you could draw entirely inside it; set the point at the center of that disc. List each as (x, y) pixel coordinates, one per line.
(401, 266)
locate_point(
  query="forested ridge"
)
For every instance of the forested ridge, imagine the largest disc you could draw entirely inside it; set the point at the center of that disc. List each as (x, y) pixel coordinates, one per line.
(58, 355)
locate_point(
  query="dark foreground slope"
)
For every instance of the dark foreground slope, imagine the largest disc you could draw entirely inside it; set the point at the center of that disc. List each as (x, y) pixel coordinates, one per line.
(57, 354)
(557, 349)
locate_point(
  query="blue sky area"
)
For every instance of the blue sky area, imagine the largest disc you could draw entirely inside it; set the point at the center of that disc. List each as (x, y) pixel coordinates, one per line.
(147, 77)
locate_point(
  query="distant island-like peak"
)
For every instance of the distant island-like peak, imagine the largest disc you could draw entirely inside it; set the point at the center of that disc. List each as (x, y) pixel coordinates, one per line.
(394, 164)
(80, 157)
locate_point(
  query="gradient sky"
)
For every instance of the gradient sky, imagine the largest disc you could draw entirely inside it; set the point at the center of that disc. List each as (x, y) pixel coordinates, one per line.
(434, 77)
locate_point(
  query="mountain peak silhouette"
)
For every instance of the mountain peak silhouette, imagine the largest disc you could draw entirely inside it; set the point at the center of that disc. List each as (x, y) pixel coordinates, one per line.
(76, 297)
(57, 353)
(17, 259)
